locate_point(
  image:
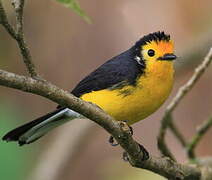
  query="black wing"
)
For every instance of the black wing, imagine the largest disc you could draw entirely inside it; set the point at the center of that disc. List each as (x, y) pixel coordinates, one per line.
(122, 68)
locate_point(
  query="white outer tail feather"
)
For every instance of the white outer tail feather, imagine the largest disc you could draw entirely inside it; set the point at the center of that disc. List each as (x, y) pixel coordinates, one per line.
(44, 127)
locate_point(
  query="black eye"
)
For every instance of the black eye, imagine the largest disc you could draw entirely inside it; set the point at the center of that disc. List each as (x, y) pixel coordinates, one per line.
(151, 52)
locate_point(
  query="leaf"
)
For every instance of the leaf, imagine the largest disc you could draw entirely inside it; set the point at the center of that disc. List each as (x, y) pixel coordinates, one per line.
(74, 5)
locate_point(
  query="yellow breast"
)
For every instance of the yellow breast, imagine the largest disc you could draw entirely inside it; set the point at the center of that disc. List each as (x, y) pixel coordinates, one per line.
(134, 103)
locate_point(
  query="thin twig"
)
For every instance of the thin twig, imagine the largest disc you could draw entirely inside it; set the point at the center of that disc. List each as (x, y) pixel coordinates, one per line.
(161, 143)
(174, 129)
(27, 58)
(4, 21)
(176, 100)
(19, 9)
(201, 131)
(18, 34)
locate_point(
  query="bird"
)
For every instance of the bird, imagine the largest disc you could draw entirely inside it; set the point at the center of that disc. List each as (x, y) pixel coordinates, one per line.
(130, 86)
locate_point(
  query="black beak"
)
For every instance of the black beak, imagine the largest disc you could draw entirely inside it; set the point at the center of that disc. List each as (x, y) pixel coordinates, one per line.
(168, 57)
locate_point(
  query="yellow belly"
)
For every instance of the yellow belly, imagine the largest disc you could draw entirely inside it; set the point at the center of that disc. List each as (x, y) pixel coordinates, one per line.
(134, 103)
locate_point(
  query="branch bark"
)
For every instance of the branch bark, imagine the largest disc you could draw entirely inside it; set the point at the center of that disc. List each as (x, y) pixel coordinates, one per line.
(19, 10)
(4, 21)
(162, 166)
(177, 133)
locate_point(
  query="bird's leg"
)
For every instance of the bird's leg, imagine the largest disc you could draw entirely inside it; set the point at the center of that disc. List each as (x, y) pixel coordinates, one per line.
(125, 123)
(111, 138)
(141, 148)
(129, 129)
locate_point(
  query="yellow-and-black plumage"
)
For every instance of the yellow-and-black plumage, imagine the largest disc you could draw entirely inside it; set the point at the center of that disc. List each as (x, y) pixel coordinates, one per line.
(130, 87)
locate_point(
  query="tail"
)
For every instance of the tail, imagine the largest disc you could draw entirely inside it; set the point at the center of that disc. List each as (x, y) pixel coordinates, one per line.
(33, 130)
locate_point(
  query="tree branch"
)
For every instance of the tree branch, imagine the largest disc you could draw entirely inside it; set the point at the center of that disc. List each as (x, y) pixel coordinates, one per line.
(119, 130)
(201, 131)
(161, 143)
(19, 9)
(18, 34)
(176, 100)
(174, 129)
(162, 166)
(4, 21)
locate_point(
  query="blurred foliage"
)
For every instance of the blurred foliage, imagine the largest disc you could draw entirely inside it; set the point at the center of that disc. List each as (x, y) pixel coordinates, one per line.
(14, 159)
(74, 5)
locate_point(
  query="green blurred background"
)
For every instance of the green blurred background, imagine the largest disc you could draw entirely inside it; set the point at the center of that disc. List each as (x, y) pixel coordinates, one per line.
(65, 48)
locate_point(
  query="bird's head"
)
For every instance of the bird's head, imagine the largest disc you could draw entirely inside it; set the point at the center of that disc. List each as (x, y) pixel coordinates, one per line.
(155, 48)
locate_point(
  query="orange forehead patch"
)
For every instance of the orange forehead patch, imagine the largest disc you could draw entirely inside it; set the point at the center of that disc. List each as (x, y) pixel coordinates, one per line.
(161, 47)
(165, 46)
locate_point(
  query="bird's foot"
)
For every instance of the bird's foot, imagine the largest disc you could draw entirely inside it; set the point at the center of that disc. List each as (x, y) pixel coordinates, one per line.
(145, 153)
(125, 127)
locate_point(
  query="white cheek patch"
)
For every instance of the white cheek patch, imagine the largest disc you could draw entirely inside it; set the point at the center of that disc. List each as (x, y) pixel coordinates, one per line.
(138, 59)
